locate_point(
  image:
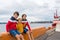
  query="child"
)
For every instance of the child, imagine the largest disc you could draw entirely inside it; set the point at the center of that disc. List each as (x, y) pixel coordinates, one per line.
(20, 26)
(11, 26)
(24, 21)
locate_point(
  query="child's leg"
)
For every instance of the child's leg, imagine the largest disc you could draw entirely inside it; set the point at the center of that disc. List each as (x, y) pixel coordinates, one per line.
(26, 31)
(21, 36)
(18, 37)
(15, 34)
(32, 36)
(28, 35)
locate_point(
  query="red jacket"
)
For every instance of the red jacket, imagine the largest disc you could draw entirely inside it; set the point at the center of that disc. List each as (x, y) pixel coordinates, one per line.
(27, 24)
(11, 25)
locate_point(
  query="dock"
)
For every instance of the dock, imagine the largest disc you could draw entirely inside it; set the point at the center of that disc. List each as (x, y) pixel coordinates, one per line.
(55, 36)
(51, 34)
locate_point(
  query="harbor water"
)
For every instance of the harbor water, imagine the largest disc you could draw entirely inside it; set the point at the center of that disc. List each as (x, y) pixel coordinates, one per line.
(33, 25)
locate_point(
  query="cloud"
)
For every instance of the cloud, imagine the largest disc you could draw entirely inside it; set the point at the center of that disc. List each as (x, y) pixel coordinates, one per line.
(5, 3)
(4, 18)
(35, 9)
(32, 18)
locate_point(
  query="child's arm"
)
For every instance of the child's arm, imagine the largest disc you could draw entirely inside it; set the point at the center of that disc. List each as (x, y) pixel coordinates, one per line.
(28, 26)
(24, 24)
(17, 26)
(7, 26)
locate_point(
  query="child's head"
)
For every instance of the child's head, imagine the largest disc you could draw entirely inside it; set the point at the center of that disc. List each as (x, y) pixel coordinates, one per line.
(19, 19)
(16, 14)
(24, 16)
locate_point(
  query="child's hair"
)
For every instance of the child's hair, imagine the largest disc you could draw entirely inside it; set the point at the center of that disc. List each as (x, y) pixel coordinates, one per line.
(19, 19)
(16, 13)
(23, 15)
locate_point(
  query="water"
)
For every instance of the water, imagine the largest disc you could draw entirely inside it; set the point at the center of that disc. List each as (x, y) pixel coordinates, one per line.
(33, 25)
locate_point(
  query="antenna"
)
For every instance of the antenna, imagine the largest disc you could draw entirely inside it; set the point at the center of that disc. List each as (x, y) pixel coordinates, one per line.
(55, 14)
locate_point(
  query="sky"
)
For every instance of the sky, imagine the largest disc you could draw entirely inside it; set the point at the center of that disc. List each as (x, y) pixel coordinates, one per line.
(36, 10)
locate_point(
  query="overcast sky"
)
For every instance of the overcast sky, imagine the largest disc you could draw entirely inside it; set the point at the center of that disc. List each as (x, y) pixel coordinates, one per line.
(36, 10)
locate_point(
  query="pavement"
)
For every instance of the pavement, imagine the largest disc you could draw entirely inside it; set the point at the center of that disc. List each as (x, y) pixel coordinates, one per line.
(54, 36)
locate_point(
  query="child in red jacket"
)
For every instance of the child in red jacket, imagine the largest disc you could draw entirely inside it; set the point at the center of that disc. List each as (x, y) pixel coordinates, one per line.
(28, 31)
(11, 26)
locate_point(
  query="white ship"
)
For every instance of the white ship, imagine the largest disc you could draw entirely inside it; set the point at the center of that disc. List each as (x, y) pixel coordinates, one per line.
(57, 21)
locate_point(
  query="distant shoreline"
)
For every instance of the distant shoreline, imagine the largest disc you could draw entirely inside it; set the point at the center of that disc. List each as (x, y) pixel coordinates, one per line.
(3, 22)
(33, 22)
(43, 22)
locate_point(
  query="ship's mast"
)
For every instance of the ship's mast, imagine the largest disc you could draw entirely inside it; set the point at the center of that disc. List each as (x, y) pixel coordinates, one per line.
(55, 19)
(55, 15)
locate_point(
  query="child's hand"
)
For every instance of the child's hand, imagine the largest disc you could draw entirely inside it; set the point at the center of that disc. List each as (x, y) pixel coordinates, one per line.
(24, 22)
(30, 31)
